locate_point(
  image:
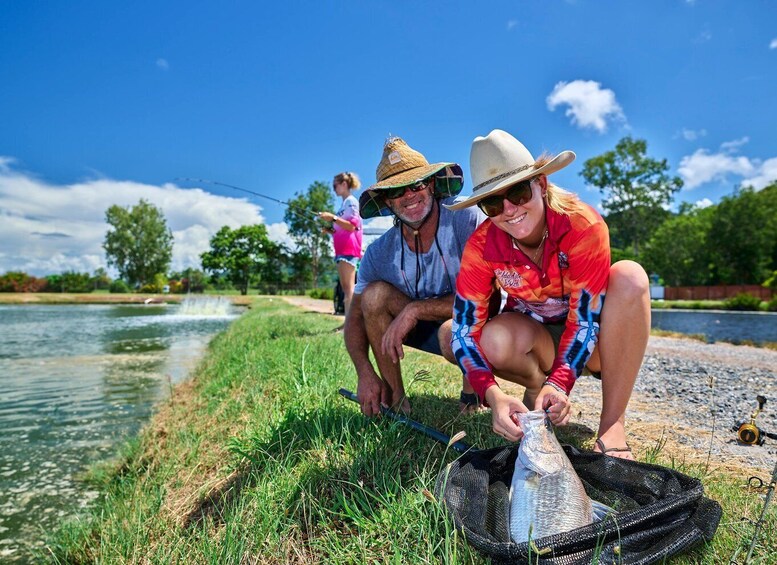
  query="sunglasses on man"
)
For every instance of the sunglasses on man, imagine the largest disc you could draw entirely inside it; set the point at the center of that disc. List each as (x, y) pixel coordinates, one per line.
(518, 195)
(399, 191)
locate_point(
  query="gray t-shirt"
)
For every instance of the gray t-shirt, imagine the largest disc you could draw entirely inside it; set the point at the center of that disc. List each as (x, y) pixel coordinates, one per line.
(429, 273)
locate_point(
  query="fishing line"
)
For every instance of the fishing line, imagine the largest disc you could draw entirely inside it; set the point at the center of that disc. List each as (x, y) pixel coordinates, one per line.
(290, 205)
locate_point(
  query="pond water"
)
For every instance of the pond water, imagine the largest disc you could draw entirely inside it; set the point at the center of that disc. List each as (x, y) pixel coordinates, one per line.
(75, 382)
(718, 325)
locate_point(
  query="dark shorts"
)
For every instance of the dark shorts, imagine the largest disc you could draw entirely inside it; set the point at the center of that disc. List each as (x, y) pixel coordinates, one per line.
(424, 337)
(555, 330)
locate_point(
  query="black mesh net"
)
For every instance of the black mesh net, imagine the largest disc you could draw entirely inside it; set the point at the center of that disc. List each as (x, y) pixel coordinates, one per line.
(659, 512)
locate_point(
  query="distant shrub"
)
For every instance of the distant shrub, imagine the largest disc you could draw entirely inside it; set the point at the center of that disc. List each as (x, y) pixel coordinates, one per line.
(743, 301)
(118, 287)
(772, 304)
(323, 293)
(17, 281)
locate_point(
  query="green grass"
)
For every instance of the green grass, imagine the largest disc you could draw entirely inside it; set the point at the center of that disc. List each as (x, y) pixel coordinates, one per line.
(259, 460)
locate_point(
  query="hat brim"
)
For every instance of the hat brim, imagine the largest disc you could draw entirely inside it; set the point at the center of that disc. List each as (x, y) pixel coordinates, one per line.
(557, 163)
(372, 203)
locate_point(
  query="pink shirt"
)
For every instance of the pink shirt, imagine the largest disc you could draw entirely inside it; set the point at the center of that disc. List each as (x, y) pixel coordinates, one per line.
(349, 242)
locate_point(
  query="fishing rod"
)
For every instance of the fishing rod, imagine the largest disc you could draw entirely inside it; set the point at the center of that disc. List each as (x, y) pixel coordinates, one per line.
(761, 519)
(459, 446)
(290, 205)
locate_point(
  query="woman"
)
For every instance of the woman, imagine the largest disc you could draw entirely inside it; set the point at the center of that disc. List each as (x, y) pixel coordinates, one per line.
(549, 252)
(346, 232)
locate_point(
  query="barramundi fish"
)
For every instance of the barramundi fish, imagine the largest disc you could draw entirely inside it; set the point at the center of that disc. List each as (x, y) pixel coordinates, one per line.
(546, 495)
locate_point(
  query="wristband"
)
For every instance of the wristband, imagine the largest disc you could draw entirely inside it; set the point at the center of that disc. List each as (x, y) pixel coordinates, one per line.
(557, 387)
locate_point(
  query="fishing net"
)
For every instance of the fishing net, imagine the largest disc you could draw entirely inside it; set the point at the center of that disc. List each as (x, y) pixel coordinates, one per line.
(659, 512)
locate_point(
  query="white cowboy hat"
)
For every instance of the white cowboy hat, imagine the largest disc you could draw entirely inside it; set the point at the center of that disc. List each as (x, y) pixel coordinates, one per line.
(499, 160)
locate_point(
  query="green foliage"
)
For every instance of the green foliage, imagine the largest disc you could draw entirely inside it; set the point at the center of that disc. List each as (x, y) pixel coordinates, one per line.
(743, 301)
(637, 190)
(678, 248)
(307, 230)
(326, 293)
(771, 306)
(100, 280)
(741, 240)
(17, 281)
(140, 245)
(771, 282)
(156, 286)
(119, 287)
(242, 255)
(189, 280)
(69, 281)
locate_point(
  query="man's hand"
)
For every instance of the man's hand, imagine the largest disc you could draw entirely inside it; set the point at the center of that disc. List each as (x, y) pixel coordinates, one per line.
(372, 391)
(397, 331)
(556, 404)
(503, 410)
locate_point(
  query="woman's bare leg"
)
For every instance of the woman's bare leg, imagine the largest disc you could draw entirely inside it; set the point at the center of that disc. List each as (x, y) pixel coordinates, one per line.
(625, 329)
(347, 274)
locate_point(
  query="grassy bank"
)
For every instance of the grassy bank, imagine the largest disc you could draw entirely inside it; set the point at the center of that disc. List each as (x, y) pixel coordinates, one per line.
(258, 460)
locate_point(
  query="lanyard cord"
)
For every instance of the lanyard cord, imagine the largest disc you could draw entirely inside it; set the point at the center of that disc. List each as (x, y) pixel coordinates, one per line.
(417, 245)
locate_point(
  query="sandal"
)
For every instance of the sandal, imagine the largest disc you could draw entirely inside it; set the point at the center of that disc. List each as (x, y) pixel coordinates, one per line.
(605, 450)
(469, 401)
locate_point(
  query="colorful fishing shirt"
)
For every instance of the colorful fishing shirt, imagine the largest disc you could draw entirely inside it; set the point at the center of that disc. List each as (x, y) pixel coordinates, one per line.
(570, 285)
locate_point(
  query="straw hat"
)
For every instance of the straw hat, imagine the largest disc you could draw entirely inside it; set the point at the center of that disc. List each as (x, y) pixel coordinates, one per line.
(499, 160)
(402, 165)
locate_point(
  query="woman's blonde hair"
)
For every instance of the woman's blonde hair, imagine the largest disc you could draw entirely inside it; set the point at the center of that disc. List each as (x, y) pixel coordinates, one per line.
(558, 199)
(351, 179)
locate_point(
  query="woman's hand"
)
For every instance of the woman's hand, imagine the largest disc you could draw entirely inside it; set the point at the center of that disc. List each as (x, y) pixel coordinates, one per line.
(327, 216)
(556, 404)
(503, 410)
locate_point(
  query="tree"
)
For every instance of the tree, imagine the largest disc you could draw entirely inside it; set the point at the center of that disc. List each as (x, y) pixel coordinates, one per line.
(678, 251)
(637, 190)
(740, 240)
(240, 255)
(305, 227)
(140, 245)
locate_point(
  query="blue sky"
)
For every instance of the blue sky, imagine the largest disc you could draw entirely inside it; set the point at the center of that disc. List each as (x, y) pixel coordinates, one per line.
(103, 103)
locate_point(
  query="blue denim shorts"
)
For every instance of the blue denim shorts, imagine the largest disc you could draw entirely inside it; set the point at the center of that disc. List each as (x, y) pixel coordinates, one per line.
(350, 259)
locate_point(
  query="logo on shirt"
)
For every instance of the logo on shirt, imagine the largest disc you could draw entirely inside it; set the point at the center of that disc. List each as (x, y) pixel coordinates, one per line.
(508, 278)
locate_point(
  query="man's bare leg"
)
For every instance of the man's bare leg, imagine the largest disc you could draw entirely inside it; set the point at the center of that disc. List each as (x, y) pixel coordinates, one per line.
(380, 303)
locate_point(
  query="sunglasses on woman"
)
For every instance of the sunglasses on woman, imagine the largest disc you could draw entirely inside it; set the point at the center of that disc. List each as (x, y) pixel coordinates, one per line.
(518, 194)
(399, 191)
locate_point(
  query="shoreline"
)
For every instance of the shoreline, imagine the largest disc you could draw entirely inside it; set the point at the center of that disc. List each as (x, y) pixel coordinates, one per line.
(32, 298)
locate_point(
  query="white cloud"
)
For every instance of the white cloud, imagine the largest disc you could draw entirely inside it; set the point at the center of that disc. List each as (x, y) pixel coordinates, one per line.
(704, 203)
(692, 135)
(590, 105)
(163, 64)
(47, 228)
(765, 174)
(773, 44)
(702, 167)
(733, 146)
(511, 24)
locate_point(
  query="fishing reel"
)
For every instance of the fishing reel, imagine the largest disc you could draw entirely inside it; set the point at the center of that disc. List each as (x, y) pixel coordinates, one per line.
(747, 430)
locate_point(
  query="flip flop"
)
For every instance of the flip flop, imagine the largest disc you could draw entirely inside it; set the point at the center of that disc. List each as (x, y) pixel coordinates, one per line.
(604, 449)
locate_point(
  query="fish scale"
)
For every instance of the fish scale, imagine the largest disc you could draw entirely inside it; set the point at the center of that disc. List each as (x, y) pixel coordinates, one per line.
(546, 495)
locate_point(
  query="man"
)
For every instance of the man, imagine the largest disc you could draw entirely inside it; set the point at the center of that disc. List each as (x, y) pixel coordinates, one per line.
(407, 277)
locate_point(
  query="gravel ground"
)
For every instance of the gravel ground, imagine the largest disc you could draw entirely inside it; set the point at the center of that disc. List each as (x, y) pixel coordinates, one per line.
(689, 394)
